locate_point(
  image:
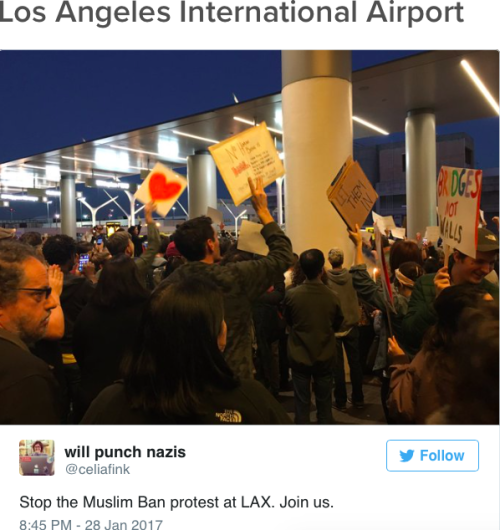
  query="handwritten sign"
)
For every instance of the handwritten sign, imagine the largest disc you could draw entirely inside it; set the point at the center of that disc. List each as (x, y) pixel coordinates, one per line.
(249, 154)
(251, 239)
(163, 186)
(459, 195)
(351, 194)
(398, 233)
(383, 222)
(432, 234)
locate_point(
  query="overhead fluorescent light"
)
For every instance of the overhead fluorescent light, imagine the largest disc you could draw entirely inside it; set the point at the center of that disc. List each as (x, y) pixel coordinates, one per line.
(243, 120)
(472, 74)
(159, 155)
(71, 171)
(209, 140)
(26, 198)
(101, 163)
(53, 193)
(370, 125)
(112, 184)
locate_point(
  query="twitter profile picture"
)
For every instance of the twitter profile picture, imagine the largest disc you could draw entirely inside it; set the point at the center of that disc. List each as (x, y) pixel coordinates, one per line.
(406, 456)
(36, 458)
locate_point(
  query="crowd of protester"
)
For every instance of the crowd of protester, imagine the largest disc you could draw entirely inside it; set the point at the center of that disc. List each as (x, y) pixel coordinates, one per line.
(190, 329)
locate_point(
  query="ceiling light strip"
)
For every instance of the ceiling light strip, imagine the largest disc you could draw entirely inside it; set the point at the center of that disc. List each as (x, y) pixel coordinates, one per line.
(480, 85)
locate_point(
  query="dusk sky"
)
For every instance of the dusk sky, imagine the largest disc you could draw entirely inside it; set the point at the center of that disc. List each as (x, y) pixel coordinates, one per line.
(56, 98)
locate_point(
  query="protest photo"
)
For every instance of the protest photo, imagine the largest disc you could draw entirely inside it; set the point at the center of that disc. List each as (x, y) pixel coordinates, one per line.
(295, 244)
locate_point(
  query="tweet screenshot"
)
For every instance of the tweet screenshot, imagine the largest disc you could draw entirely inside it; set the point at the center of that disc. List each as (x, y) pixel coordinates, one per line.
(249, 264)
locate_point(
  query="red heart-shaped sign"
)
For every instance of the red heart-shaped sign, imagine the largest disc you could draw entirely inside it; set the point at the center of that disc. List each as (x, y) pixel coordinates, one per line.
(162, 190)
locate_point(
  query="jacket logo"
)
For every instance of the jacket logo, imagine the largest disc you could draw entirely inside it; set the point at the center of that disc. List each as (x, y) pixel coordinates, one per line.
(229, 416)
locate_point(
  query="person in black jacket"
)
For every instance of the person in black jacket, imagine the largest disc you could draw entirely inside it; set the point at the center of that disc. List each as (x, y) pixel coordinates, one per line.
(314, 315)
(29, 393)
(107, 327)
(177, 374)
(77, 291)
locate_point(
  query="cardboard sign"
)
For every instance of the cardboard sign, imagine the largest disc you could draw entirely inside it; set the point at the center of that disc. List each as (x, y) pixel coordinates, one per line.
(249, 154)
(351, 194)
(250, 239)
(162, 186)
(215, 215)
(383, 222)
(459, 195)
(432, 234)
(398, 233)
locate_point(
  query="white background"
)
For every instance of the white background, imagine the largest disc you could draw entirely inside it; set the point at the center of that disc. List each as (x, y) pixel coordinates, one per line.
(480, 29)
(346, 464)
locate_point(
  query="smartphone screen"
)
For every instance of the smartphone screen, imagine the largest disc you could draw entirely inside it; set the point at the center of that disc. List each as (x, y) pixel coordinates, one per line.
(84, 259)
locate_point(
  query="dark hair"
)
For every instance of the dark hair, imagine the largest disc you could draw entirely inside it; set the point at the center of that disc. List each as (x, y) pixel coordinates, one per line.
(474, 395)
(173, 263)
(411, 270)
(164, 242)
(119, 283)
(33, 239)
(192, 236)
(177, 359)
(403, 251)
(312, 262)
(99, 259)
(59, 250)
(118, 243)
(298, 276)
(235, 255)
(12, 255)
(439, 340)
(225, 245)
(83, 247)
(38, 442)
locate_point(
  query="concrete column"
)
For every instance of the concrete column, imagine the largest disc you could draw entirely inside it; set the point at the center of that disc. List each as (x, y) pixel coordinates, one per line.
(421, 175)
(68, 205)
(202, 183)
(317, 120)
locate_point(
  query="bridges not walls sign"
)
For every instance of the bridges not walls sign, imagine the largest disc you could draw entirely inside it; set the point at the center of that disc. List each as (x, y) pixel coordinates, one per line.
(459, 196)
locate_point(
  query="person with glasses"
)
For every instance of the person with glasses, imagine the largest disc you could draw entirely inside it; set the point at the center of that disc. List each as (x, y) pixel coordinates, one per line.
(29, 393)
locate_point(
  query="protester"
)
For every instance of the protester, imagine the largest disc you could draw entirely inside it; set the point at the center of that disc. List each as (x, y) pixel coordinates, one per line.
(462, 269)
(134, 232)
(314, 315)
(422, 386)
(33, 239)
(475, 381)
(268, 324)
(28, 391)
(107, 327)
(121, 243)
(240, 283)
(340, 281)
(178, 377)
(76, 293)
(7, 234)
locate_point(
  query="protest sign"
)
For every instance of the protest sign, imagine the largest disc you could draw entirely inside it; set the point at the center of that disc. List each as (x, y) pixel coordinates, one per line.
(432, 234)
(163, 186)
(384, 223)
(215, 215)
(367, 236)
(459, 195)
(398, 233)
(351, 194)
(249, 154)
(251, 240)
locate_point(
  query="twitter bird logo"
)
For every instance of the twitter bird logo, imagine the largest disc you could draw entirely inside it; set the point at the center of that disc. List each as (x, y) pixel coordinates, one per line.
(406, 457)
